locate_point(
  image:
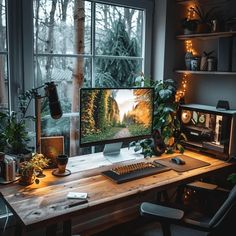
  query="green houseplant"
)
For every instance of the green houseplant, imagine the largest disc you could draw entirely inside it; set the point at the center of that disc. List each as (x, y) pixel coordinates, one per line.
(189, 25)
(167, 134)
(29, 170)
(165, 115)
(14, 138)
(205, 18)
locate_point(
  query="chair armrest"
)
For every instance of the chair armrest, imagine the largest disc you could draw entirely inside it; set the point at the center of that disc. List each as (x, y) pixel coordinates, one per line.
(190, 223)
(161, 212)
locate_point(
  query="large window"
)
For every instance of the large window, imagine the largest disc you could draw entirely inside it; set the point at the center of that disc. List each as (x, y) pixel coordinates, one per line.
(84, 43)
(3, 57)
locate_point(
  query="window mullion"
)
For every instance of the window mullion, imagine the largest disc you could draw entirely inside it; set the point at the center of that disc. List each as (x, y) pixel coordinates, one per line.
(93, 14)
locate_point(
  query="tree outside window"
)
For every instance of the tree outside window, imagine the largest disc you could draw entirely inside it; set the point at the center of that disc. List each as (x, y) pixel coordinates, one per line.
(3, 58)
(83, 44)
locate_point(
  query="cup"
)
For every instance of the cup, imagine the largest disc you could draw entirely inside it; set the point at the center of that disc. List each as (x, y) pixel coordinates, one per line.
(195, 64)
(62, 161)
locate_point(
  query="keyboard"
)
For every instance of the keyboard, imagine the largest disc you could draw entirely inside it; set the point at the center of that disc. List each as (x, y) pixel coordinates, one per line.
(125, 173)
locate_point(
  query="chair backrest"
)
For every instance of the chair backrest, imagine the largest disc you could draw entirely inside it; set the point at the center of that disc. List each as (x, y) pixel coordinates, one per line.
(224, 218)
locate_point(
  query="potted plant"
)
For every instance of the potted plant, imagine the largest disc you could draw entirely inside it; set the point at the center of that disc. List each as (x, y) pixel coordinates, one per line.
(165, 115)
(204, 18)
(167, 136)
(189, 25)
(29, 170)
(14, 137)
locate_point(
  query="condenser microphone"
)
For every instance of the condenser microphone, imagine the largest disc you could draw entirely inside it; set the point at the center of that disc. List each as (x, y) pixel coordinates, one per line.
(54, 103)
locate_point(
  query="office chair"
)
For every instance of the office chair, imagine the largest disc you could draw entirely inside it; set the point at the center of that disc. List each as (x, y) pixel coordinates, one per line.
(222, 223)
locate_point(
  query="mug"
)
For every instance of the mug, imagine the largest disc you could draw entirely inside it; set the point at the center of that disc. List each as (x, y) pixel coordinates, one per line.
(195, 64)
(62, 161)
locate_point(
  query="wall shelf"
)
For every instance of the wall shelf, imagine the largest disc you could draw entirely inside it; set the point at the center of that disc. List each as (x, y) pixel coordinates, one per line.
(205, 72)
(202, 2)
(206, 35)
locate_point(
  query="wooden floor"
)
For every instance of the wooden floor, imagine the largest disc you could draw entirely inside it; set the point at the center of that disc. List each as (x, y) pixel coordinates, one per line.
(146, 228)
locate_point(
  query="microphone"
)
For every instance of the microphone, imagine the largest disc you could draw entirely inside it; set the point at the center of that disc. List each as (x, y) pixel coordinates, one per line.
(54, 103)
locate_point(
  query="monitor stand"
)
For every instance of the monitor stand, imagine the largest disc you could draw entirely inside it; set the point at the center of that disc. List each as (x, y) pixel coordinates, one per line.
(114, 153)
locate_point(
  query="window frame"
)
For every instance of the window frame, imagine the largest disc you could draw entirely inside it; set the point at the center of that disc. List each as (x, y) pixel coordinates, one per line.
(21, 43)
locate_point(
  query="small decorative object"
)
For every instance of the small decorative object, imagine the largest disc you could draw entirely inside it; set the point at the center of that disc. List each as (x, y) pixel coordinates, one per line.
(211, 64)
(29, 170)
(195, 63)
(203, 63)
(189, 25)
(223, 105)
(188, 58)
(51, 147)
(214, 25)
(62, 161)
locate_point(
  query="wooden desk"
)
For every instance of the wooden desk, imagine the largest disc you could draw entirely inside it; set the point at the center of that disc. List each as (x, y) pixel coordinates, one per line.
(46, 204)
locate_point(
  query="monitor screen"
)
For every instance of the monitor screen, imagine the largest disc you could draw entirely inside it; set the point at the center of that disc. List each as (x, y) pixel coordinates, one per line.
(115, 115)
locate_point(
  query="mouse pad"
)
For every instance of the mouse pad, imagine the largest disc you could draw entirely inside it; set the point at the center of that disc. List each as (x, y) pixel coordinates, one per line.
(190, 163)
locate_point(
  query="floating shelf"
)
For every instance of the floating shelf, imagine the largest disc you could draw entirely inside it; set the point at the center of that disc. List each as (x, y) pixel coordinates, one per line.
(202, 2)
(206, 35)
(205, 72)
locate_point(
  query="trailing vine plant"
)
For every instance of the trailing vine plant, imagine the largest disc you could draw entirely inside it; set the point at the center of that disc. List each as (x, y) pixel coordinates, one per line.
(166, 124)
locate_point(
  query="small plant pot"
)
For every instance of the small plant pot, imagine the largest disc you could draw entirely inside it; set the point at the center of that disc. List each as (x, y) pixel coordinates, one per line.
(187, 31)
(62, 161)
(27, 179)
(61, 170)
(203, 28)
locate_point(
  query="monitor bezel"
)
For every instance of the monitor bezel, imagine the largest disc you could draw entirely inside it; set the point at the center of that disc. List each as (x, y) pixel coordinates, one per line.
(125, 139)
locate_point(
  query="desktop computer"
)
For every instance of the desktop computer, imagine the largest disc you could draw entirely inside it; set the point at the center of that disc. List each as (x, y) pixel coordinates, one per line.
(112, 116)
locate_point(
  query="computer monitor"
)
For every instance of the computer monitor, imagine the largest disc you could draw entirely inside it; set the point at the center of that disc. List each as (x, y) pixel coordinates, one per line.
(115, 115)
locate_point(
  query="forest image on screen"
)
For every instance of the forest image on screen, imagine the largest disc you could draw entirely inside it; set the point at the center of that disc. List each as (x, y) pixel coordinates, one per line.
(110, 114)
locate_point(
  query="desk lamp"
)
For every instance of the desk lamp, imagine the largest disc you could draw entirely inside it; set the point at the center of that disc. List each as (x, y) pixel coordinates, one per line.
(54, 107)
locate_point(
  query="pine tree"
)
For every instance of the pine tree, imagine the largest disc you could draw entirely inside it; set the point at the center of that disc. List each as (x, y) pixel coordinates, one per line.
(117, 72)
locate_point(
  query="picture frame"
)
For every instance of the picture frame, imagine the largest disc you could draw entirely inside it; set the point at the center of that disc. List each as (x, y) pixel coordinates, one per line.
(51, 147)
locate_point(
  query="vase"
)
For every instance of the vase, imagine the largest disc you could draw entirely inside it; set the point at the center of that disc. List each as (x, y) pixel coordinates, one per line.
(188, 57)
(195, 64)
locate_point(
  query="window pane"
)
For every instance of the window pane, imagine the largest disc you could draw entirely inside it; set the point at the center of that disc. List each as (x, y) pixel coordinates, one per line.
(63, 77)
(3, 46)
(116, 72)
(118, 31)
(56, 24)
(3, 58)
(3, 82)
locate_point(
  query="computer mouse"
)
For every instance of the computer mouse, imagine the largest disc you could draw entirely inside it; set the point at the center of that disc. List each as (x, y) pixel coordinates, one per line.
(178, 160)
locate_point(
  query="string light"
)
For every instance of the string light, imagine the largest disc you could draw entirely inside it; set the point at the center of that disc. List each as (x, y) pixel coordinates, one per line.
(191, 13)
(188, 49)
(183, 88)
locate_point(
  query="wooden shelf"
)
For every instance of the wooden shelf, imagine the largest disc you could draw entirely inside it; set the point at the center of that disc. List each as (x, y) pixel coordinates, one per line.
(205, 72)
(206, 35)
(202, 2)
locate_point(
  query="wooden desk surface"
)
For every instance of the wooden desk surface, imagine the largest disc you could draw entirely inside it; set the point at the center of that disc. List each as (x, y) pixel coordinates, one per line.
(46, 203)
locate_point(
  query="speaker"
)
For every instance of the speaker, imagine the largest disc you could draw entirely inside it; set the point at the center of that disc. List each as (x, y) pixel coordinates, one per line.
(224, 54)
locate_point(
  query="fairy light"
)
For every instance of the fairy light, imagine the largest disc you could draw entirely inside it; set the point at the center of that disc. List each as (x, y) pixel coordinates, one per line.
(191, 13)
(188, 48)
(183, 88)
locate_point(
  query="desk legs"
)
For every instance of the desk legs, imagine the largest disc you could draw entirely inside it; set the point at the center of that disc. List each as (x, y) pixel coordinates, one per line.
(19, 230)
(51, 230)
(67, 228)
